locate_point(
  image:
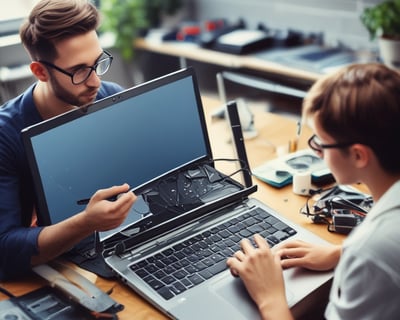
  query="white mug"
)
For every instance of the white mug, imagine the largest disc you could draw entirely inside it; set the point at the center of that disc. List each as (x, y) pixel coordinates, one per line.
(302, 183)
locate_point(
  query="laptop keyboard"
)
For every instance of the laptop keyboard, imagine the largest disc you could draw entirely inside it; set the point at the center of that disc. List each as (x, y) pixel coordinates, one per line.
(199, 258)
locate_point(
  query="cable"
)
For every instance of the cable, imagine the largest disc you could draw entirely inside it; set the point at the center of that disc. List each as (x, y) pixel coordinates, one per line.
(341, 210)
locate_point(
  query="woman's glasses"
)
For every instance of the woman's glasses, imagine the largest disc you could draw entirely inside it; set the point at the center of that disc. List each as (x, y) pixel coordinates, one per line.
(316, 145)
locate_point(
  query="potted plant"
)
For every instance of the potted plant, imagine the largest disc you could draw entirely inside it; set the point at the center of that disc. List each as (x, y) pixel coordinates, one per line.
(128, 19)
(383, 22)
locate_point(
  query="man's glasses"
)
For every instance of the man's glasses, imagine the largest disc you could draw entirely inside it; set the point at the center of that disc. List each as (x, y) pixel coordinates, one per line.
(315, 144)
(81, 74)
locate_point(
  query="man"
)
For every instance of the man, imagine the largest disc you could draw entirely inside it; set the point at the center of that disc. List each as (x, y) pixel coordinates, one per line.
(67, 60)
(355, 114)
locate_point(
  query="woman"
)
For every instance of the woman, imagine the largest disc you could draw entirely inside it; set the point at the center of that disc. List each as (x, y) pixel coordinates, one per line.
(355, 114)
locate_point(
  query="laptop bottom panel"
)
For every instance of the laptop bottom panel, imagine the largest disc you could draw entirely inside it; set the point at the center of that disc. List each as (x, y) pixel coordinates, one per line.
(189, 279)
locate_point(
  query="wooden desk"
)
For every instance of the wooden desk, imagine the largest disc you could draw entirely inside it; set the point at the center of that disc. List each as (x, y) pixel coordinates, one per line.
(272, 129)
(185, 50)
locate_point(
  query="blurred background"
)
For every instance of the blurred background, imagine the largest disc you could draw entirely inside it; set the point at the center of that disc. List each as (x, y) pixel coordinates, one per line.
(325, 23)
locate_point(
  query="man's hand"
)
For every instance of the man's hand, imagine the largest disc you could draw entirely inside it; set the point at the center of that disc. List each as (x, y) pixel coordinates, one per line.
(103, 214)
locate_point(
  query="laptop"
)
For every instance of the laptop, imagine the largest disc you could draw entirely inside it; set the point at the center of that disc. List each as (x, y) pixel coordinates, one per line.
(189, 216)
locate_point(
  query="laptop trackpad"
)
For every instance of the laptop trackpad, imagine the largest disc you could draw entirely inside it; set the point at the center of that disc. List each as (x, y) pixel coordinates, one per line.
(234, 292)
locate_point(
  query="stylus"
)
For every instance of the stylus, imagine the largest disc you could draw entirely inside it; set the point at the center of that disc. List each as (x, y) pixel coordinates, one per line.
(113, 198)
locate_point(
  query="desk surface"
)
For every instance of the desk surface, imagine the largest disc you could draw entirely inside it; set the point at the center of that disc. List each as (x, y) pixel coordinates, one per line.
(273, 131)
(192, 51)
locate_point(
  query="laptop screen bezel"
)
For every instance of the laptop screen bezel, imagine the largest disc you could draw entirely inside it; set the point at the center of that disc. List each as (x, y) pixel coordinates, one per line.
(30, 132)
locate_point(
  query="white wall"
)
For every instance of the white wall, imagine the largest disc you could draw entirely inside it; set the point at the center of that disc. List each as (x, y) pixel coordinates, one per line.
(16, 9)
(339, 20)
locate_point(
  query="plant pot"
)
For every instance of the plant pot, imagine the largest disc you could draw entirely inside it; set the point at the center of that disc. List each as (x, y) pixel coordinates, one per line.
(389, 51)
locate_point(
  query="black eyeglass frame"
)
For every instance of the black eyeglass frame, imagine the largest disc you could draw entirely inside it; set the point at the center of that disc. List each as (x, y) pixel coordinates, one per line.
(92, 68)
(319, 147)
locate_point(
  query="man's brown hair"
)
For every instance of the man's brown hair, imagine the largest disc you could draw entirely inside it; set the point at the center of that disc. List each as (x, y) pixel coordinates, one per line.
(360, 103)
(51, 21)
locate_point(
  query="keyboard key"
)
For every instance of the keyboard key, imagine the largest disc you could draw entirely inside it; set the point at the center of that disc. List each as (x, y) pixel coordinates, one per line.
(151, 268)
(255, 229)
(200, 265)
(193, 258)
(169, 260)
(154, 283)
(203, 244)
(177, 287)
(168, 279)
(234, 229)
(217, 257)
(224, 234)
(168, 252)
(279, 225)
(245, 233)
(228, 252)
(290, 231)
(191, 269)
(195, 279)
(142, 273)
(166, 293)
(281, 235)
(229, 243)
(169, 269)
(218, 267)
(250, 221)
(180, 274)
(206, 274)
(159, 264)
(204, 255)
(273, 239)
(186, 283)
(160, 274)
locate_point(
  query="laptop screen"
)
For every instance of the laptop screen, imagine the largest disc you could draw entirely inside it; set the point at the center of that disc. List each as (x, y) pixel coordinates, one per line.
(135, 136)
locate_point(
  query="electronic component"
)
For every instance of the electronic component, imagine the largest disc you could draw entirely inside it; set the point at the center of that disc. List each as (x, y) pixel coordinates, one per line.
(342, 208)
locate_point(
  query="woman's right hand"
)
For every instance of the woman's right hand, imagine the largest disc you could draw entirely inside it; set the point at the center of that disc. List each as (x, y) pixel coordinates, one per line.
(297, 253)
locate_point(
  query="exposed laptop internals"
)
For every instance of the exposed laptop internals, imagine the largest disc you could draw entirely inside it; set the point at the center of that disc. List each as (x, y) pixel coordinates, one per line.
(189, 217)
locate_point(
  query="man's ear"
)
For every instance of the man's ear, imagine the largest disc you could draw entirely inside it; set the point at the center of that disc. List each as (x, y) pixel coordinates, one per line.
(39, 71)
(361, 155)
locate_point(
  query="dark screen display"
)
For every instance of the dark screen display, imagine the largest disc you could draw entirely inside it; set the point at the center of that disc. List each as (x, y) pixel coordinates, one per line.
(134, 140)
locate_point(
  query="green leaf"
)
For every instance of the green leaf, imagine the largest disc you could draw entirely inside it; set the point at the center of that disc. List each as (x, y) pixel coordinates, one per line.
(382, 19)
(126, 18)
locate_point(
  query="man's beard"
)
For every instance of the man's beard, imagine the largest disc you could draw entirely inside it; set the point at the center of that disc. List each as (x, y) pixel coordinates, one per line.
(66, 96)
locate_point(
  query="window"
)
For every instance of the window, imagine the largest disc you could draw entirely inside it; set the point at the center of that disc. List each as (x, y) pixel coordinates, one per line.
(16, 9)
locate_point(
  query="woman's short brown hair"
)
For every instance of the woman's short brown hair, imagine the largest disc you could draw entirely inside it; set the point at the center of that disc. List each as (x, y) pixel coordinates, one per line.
(360, 103)
(51, 21)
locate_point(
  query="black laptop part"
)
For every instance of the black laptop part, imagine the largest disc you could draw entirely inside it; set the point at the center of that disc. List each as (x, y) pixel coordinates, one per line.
(143, 136)
(135, 136)
(177, 200)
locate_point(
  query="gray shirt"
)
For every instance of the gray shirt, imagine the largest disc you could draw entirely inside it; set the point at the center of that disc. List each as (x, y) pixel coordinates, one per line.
(366, 283)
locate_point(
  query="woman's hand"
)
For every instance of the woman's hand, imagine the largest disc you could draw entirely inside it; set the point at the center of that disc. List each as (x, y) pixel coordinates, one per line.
(297, 253)
(261, 273)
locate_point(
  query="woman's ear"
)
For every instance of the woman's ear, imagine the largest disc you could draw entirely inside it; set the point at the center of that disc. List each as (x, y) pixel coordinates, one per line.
(39, 71)
(361, 155)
